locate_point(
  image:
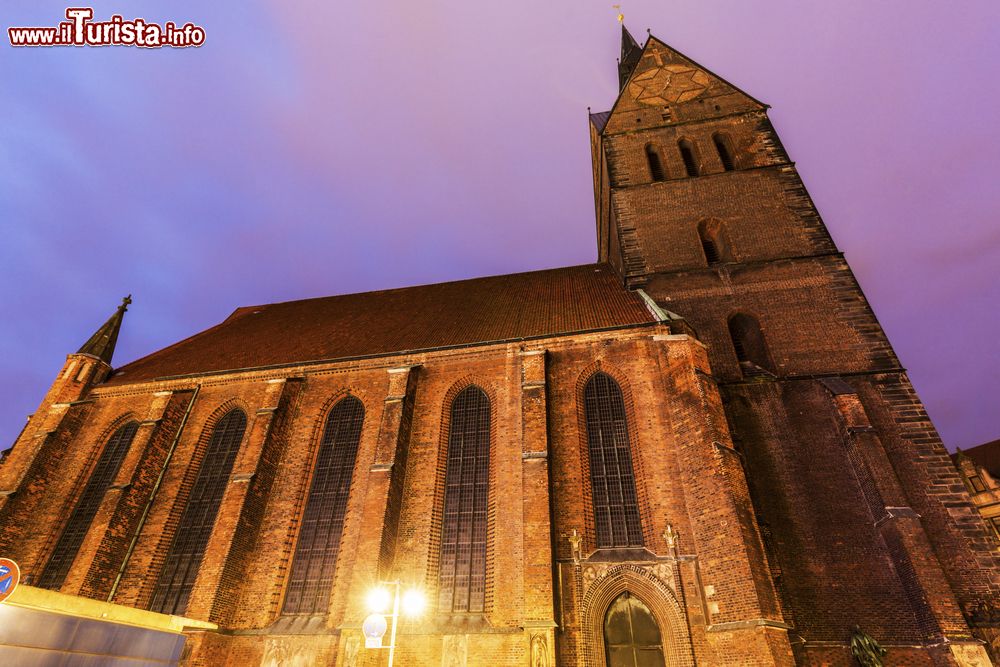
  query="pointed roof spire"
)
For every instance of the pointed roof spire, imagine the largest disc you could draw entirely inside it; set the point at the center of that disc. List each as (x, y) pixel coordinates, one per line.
(631, 51)
(102, 343)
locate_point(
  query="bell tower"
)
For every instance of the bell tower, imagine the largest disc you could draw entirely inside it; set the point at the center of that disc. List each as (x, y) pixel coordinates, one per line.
(698, 203)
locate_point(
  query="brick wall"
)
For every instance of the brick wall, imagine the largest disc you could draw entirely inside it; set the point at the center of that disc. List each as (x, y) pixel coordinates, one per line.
(862, 523)
(537, 496)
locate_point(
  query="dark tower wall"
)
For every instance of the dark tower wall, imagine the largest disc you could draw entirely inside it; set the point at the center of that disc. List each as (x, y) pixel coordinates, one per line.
(865, 520)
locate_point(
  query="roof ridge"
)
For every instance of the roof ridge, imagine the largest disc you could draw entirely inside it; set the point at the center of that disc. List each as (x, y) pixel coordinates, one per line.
(407, 287)
(467, 312)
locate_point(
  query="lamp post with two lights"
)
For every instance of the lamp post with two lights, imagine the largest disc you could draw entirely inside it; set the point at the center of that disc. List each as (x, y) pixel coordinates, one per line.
(389, 594)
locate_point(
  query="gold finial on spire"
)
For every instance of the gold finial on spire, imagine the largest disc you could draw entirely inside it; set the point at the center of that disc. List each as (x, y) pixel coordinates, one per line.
(102, 343)
(621, 17)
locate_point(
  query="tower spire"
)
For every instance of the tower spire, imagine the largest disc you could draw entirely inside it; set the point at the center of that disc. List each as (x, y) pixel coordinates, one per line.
(102, 343)
(629, 58)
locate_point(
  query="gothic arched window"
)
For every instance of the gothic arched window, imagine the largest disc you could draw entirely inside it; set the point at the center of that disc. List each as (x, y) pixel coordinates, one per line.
(323, 519)
(655, 163)
(688, 156)
(612, 480)
(631, 635)
(725, 149)
(749, 345)
(180, 568)
(713, 241)
(86, 507)
(462, 578)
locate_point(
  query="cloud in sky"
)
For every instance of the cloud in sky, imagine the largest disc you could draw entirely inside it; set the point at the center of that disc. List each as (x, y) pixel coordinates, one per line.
(315, 148)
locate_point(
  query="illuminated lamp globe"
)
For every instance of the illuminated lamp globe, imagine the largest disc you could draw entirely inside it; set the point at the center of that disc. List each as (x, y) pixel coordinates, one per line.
(414, 602)
(374, 627)
(379, 600)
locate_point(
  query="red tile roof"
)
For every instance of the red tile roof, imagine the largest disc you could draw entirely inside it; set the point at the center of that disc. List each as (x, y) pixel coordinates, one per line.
(465, 312)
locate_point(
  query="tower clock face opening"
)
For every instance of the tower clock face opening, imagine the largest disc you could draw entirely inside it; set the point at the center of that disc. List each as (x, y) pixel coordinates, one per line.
(669, 84)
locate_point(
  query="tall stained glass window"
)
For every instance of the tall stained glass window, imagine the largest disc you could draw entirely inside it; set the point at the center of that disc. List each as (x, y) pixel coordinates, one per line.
(463, 535)
(173, 588)
(323, 519)
(86, 507)
(612, 479)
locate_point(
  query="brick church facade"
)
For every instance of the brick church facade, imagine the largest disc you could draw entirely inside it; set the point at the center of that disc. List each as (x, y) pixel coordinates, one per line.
(701, 450)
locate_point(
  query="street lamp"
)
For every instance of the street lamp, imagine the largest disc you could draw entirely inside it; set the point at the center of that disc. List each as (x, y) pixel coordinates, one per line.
(379, 601)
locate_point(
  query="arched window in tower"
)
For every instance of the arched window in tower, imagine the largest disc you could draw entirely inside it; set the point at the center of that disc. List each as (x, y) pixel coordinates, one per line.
(462, 577)
(86, 507)
(688, 156)
(180, 568)
(632, 636)
(714, 243)
(323, 519)
(749, 345)
(612, 479)
(724, 146)
(656, 171)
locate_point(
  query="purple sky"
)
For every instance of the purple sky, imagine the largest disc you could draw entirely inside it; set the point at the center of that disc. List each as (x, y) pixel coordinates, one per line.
(317, 148)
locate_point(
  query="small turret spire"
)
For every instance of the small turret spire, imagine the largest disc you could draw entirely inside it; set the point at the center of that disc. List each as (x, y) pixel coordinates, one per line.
(102, 343)
(631, 51)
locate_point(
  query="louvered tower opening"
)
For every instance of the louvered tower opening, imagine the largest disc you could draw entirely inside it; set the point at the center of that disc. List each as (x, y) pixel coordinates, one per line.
(724, 147)
(687, 155)
(656, 171)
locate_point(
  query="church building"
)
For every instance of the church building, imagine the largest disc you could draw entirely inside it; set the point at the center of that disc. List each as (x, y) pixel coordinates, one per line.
(700, 450)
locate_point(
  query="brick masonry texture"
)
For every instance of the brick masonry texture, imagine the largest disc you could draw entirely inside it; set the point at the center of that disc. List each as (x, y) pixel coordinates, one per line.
(864, 523)
(780, 507)
(465, 312)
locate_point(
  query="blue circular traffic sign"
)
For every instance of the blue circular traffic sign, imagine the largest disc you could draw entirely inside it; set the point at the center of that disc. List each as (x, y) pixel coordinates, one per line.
(10, 575)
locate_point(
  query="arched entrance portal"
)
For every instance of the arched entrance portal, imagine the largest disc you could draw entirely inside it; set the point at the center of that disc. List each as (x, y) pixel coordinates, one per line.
(631, 635)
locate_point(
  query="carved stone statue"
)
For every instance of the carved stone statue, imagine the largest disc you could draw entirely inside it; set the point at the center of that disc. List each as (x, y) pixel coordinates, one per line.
(671, 537)
(865, 649)
(280, 653)
(455, 651)
(574, 545)
(351, 649)
(539, 652)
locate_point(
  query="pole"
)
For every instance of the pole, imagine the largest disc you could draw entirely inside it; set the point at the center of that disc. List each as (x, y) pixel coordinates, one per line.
(395, 617)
